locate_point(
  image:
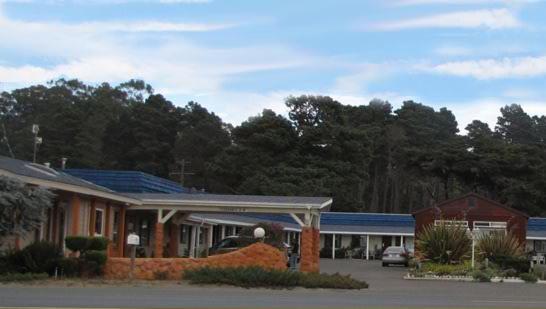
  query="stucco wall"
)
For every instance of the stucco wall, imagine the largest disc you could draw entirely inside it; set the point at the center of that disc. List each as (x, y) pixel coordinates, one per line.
(258, 254)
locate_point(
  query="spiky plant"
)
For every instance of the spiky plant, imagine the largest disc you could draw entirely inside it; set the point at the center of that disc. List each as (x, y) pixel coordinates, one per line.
(444, 243)
(499, 244)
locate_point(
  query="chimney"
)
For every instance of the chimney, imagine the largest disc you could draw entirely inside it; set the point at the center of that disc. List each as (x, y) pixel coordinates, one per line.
(63, 163)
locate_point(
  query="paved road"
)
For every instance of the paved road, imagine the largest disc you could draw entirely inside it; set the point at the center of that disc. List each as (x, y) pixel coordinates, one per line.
(387, 289)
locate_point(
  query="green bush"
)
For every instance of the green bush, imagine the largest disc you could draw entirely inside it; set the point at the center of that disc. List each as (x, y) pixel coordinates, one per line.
(38, 257)
(92, 263)
(528, 277)
(69, 267)
(17, 277)
(499, 244)
(97, 243)
(447, 269)
(519, 263)
(482, 275)
(507, 273)
(540, 271)
(77, 243)
(444, 243)
(259, 277)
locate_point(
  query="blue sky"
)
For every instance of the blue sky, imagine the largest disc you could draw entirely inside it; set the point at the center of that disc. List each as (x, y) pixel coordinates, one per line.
(238, 57)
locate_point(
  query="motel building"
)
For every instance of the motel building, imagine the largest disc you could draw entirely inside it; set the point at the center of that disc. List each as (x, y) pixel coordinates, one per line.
(172, 221)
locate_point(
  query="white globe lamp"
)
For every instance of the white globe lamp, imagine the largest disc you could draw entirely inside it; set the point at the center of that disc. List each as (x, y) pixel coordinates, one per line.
(259, 233)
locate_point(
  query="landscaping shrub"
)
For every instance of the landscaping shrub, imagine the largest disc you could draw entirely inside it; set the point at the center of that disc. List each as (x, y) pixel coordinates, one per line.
(528, 277)
(509, 273)
(17, 277)
(77, 243)
(38, 257)
(482, 275)
(97, 244)
(444, 243)
(518, 263)
(69, 267)
(92, 263)
(540, 271)
(259, 277)
(499, 244)
(447, 269)
(273, 233)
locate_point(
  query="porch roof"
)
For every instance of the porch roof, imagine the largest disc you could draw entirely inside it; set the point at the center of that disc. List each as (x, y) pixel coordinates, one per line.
(232, 203)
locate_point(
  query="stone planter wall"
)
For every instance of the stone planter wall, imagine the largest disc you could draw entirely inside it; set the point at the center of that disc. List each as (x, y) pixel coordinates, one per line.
(258, 254)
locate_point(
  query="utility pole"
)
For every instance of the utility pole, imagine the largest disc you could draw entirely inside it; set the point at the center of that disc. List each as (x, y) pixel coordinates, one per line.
(182, 171)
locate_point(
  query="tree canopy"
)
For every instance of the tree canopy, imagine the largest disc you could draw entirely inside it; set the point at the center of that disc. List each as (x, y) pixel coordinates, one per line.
(369, 157)
(22, 208)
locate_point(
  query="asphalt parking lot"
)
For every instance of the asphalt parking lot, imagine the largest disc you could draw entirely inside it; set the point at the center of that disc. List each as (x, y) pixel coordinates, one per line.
(387, 289)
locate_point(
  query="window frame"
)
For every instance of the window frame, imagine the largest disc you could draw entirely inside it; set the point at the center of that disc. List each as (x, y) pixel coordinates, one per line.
(102, 219)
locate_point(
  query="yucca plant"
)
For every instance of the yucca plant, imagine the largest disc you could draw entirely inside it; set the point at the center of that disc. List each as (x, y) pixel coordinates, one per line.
(499, 244)
(444, 243)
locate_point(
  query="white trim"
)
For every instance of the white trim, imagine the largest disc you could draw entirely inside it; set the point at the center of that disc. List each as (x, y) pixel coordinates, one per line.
(164, 219)
(451, 222)
(71, 188)
(297, 219)
(238, 206)
(535, 238)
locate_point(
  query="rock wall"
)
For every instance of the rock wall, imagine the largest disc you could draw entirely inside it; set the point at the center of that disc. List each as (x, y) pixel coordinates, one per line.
(258, 254)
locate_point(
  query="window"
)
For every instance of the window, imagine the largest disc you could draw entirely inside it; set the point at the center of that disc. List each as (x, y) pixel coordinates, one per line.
(184, 234)
(230, 231)
(489, 225)
(99, 222)
(115, 232)
(540, 246)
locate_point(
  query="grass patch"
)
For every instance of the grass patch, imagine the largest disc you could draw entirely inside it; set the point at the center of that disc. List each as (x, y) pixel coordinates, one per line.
(18, 277)
(252, 277)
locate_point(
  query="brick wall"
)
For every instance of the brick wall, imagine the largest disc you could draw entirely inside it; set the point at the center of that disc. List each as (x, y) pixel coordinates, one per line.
(258, 254)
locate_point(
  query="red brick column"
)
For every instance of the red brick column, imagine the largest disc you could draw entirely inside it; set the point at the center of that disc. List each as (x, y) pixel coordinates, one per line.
(173, 240)
(75, 209)
(309, 261)
(158, 250)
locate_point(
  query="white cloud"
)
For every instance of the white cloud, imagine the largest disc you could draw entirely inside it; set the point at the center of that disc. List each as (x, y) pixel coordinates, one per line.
(450, 51)
(491, 19)
(461, 2)
(494, 68)
(97, 52)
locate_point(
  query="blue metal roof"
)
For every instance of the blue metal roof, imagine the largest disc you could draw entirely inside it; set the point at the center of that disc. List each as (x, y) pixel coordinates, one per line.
(536, 227)
(128, 181)
(367, 219)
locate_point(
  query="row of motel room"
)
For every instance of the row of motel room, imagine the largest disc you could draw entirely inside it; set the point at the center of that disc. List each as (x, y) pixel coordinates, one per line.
(115, 203)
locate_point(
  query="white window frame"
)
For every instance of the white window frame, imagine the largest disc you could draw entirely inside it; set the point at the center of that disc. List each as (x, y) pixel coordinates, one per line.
(101, 223)
(451, 222)
(490, 225)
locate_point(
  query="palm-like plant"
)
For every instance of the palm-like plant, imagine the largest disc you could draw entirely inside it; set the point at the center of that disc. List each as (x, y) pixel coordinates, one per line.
(499, 244)
(444, 243)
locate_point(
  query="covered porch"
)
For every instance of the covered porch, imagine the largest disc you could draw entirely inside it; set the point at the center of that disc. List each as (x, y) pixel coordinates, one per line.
(167, 228)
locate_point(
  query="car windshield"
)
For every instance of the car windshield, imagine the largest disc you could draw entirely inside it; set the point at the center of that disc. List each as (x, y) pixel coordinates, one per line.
(394, 250)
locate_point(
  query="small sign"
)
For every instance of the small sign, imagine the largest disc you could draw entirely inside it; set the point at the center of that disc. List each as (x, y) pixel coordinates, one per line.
(133, 239)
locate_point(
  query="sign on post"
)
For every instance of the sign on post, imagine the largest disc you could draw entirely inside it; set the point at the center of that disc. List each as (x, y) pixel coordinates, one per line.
(133, 241)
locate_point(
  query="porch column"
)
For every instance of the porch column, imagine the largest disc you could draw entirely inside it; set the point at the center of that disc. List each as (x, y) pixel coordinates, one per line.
(92, 219)
(75, 215)
(158, 241)
(223, 232)
(310, 243)
(121, 231)
(173, 239)
(367, 247)
(192, 241)
(333, 246)
(402, 241)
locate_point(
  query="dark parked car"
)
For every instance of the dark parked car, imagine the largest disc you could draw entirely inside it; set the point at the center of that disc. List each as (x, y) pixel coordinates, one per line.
(230, 244)
(395, 255)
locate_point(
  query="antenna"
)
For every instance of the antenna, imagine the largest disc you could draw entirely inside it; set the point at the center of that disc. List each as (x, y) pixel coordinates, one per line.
(37, 140)
(182, 172)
